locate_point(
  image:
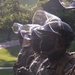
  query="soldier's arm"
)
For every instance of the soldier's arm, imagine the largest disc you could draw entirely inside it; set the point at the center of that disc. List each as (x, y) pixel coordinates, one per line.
(72, 71)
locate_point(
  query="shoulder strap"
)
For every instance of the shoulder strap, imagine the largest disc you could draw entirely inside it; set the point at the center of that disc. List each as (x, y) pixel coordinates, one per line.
(61, 64)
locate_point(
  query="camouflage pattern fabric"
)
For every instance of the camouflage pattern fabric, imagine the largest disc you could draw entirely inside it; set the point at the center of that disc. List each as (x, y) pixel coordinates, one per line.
(35, 65)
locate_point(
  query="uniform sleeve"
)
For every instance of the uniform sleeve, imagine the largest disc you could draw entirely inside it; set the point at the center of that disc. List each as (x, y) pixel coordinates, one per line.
(70, 68)
(72, 71)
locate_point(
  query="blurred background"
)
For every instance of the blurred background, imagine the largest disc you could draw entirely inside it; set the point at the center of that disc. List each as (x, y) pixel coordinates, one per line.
(22, 11)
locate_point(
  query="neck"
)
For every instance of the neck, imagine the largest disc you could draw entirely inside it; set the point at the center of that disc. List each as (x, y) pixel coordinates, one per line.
(56, 56)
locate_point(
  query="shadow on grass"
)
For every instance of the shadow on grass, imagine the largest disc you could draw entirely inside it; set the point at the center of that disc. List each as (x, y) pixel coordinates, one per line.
(14, 50)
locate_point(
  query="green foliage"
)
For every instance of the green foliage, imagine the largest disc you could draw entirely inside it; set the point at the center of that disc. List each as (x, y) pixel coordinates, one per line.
(43, 0)
(68, 16)
(28, 2)
(6, 13)
(12, 12)
(22, 17)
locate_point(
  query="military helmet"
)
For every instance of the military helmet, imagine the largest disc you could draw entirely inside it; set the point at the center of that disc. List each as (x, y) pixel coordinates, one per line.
(57, 27)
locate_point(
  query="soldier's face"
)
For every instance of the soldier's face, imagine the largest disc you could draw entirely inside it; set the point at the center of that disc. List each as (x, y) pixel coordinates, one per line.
(51, 44)
(39, 18)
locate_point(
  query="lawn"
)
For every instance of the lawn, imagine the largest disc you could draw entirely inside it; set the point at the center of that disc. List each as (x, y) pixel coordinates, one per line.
(8, 56)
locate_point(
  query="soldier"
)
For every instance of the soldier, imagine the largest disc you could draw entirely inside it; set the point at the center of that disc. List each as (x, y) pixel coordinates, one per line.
(51, 44)
(22, 62)
(25, 55)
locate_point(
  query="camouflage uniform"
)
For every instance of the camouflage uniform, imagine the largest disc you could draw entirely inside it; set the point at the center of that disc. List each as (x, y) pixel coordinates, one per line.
(40, 66)
(54, 40)
(60, 67)
(35, 65)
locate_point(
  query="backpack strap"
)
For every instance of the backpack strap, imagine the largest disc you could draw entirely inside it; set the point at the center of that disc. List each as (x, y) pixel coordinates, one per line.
(61, 64)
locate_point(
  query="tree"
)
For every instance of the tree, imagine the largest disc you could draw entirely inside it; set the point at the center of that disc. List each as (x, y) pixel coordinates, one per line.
(12, 12)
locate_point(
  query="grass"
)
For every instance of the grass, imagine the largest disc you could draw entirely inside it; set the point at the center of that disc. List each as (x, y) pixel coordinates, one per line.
(8, 56)
(6, 72)
(29, 2)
